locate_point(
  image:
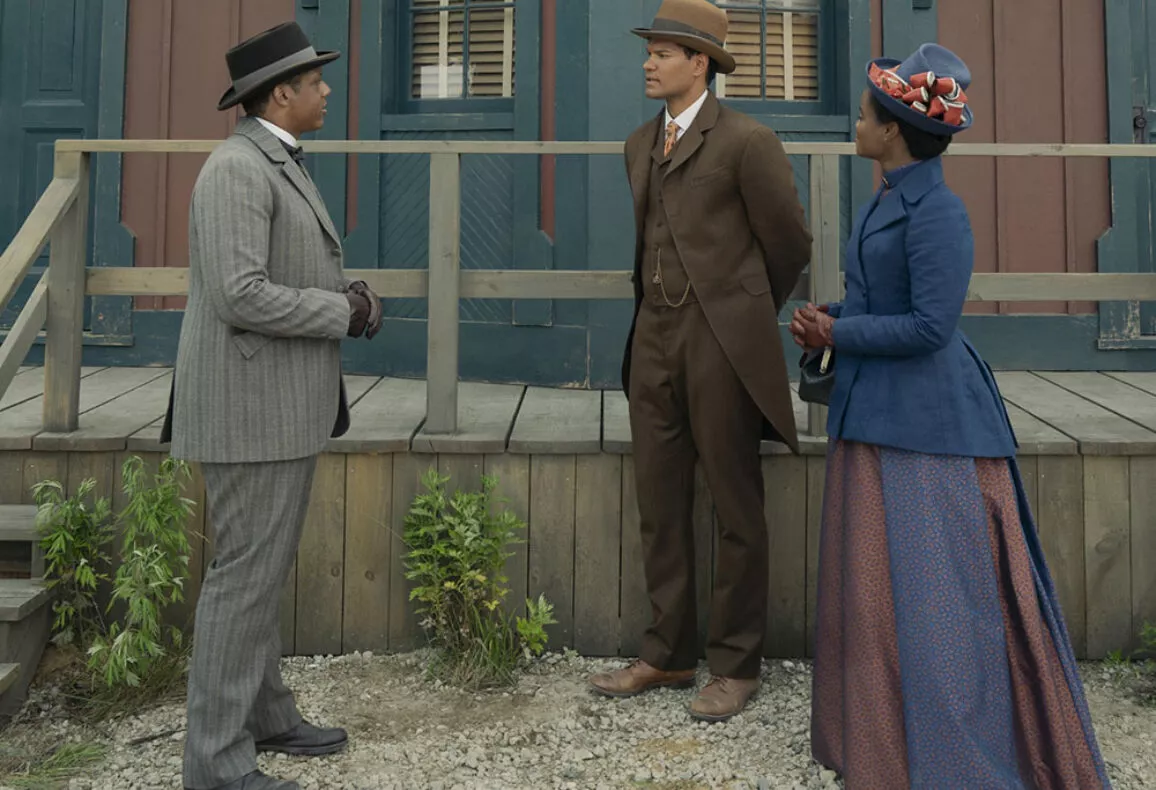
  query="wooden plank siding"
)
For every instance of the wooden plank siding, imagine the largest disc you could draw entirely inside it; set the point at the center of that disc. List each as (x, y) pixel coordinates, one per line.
(1032, 215)
(175, 77)
(1087, 454)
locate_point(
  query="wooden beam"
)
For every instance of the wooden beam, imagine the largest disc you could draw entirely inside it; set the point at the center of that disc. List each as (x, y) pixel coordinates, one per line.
(394, 283)
(1095, 287)
(826, 273)
(599, 284)
(25, 248)
(445, 191)
(65, 320)
(588, 148)
(23, 334)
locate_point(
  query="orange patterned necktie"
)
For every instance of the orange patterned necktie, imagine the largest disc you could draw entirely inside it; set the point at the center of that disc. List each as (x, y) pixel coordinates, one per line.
(671, 138)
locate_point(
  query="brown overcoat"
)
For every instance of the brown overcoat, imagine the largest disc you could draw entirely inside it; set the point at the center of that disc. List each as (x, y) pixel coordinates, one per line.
(741, 233)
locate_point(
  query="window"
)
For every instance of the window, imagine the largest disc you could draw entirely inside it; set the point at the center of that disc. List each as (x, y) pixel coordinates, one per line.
(776, 49)
(462, 49)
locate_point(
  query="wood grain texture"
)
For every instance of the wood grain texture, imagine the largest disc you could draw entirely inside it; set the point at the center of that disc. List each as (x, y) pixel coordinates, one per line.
(1107, 526)
(552, 492)
(785, 484)
(368, 552)
(321, 562)
(597, 553)
(558, 421)
(1060, 519)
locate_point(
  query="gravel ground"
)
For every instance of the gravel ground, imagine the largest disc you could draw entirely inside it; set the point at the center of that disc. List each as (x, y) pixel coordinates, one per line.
(548, 732)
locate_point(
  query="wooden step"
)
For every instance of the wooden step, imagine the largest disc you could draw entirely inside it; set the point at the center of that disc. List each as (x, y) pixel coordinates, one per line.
(9, 674)
(21, 597)
(18, 523)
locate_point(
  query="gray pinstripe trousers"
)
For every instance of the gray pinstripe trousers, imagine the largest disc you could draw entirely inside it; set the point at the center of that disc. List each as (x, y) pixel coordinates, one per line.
(236, 695)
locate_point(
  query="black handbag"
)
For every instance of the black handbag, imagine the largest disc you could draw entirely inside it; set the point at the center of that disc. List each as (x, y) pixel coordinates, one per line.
(817, 375)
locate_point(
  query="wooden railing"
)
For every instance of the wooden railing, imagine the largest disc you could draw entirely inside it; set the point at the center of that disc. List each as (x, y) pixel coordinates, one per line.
(60, 215)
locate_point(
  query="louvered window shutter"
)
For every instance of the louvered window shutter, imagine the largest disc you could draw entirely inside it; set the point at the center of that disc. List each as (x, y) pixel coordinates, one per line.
(440, 54)
(776, 49)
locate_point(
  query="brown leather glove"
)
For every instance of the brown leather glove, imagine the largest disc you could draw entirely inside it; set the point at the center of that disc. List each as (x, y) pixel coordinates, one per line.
(376, 315)
(358, 314)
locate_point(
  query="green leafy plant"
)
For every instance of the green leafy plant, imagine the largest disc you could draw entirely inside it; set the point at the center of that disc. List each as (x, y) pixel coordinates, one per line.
(74, 536)
(457, 549)
(153, 568)
(1148, 639)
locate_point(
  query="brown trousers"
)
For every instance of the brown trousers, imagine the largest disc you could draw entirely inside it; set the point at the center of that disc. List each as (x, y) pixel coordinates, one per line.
(687, 403)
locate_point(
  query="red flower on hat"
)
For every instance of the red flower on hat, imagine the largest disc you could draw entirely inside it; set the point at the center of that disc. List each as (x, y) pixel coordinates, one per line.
(935, 97)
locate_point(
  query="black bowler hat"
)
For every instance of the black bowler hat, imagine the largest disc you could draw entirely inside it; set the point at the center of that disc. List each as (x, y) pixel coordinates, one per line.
(267, 58)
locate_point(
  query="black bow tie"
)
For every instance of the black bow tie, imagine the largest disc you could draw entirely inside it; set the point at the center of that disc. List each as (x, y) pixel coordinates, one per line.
(295, 152)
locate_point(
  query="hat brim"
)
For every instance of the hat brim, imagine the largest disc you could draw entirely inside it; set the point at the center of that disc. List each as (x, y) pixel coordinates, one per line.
(724, 61)
(232, 98)
(908, 115)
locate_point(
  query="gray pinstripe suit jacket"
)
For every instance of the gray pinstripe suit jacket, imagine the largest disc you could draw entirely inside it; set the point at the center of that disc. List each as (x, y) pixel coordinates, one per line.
(258, 374)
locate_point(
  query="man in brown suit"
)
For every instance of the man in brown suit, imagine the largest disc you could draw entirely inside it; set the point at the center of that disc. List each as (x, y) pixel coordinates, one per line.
(720, 242)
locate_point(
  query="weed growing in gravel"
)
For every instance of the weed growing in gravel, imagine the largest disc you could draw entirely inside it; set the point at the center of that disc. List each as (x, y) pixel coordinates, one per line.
(1148, 649)
(75, 538)
(47, 770)
(153, 568)
(133, 658)
(457, 549)
(1139, 667)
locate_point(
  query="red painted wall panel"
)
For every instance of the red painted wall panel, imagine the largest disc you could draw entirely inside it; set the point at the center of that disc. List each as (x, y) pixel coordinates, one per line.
(176, 74)
(1039, 76)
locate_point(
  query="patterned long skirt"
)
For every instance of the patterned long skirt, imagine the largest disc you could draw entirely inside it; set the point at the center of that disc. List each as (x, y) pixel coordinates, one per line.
(942, 658)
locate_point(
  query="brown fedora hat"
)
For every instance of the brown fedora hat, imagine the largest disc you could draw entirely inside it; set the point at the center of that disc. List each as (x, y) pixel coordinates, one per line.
(698, 24)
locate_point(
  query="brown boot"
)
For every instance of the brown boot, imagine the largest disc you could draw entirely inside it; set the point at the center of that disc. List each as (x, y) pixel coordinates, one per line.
(723, 698)
(637, 678)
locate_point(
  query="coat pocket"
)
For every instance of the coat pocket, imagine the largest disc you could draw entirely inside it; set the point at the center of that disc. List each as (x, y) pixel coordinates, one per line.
(755, 285)
(709, 176)
(249, 343)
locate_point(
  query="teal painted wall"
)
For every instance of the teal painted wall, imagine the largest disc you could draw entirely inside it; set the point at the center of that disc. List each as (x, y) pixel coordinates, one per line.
(598, 97)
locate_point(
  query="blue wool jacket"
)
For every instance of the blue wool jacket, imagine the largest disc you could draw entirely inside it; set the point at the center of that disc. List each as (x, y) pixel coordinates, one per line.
(906, 377)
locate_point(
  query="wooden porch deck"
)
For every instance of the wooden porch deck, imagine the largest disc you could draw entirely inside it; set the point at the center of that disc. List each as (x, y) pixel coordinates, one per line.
(1087, 450)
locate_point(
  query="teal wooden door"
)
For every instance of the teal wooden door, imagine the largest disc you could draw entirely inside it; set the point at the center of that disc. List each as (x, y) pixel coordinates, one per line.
(460, 70)
(60, 59)
(1144, 127)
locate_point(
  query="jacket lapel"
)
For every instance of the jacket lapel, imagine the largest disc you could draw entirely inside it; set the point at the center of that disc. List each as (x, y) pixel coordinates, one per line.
(275, 151)
(639, 160)
(889, 211)
(693, 138)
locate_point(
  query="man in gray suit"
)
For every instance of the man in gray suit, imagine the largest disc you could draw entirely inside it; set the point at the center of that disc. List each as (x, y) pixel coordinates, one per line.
(256, 395)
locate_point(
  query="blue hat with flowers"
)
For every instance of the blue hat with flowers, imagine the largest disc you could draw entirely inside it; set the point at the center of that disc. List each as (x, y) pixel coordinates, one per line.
(926, 90)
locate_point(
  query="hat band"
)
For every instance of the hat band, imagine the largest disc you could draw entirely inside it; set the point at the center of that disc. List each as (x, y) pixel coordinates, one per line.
(266, 73)
(674, 26)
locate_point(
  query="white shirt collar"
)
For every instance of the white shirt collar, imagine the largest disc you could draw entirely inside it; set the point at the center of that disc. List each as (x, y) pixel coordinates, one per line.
(687, 116)
(278, 132)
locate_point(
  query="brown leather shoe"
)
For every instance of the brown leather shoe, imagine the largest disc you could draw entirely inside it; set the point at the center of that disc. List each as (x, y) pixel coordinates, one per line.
(723, 698)
(637, 678)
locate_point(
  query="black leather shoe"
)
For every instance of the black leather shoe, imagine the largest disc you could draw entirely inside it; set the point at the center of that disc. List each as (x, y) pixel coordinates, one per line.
(258, 781)
(306, 740)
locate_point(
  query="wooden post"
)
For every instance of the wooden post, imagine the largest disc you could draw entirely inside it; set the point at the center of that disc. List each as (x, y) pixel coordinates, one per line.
(826, 277)
(444, 289)
(65, 324)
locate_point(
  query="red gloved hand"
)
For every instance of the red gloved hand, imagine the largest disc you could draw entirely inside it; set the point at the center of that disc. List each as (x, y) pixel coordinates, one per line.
(812, 327)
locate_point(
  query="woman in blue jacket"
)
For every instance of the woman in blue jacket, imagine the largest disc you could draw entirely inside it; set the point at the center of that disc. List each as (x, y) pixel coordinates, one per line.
(942, 656)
